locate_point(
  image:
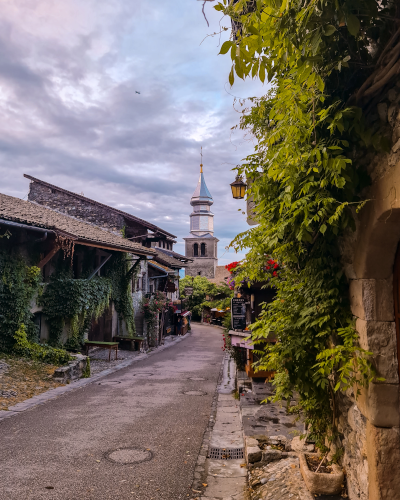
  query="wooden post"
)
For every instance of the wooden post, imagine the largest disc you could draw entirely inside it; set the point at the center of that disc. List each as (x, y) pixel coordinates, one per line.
(51, 254)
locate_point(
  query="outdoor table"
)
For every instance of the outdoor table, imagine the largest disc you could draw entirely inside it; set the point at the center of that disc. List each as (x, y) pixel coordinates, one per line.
(137, 340)
(103, 345)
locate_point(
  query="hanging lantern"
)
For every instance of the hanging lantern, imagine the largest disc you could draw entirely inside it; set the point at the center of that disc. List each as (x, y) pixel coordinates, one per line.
(238, 188)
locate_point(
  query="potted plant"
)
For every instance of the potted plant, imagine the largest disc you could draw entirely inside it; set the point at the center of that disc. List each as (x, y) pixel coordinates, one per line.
(321, 477)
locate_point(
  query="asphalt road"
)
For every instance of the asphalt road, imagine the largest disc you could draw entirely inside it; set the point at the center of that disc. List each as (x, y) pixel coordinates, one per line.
(59, 450)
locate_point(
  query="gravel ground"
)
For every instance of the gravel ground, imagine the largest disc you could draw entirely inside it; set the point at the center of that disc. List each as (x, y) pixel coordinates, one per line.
(64, 449)
(282, 480)
(21, 379)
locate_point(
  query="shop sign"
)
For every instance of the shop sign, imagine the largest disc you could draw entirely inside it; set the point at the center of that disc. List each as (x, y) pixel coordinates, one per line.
(238, 310)
(188, 290)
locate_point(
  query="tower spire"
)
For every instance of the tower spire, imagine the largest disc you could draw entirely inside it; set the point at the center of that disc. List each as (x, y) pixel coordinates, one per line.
(201, 164)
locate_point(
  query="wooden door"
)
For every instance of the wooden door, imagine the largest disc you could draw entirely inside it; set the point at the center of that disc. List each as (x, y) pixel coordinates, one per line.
(101, 329)
(396, 293)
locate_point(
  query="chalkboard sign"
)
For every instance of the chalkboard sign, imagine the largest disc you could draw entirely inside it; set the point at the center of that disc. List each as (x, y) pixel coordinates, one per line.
(238, 311)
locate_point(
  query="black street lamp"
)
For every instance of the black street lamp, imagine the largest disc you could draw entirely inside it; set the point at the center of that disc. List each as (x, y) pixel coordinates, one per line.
(238, 188)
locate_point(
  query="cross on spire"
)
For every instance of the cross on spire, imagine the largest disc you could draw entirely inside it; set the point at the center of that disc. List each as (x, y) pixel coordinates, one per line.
(201, 164)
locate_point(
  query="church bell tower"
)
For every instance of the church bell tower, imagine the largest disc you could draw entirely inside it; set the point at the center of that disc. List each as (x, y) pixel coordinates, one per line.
(201, 244)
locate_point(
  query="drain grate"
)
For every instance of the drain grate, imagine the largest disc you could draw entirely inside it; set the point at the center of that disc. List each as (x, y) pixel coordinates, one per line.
(226, 453)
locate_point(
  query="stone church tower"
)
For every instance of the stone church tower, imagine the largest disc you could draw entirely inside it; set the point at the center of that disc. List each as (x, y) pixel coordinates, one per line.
(201, 244)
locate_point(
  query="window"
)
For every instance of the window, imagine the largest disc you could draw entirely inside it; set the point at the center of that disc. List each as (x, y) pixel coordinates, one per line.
(203, 249)
(199, 273)
(163, 244)
(195, 250)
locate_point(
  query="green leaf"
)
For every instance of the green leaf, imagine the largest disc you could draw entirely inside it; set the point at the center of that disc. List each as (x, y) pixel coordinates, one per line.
(353, 24)
(253, 30)
(261, 73)
(231, 77)
(323, 228)
(225, 47)
(329, 29)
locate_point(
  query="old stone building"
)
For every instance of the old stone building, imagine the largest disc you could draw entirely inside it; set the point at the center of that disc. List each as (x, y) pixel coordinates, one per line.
(201, 245)
(369, 424)
(123, 224)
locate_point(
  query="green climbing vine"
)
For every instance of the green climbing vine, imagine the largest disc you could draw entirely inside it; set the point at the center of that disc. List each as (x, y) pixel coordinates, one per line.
(121, 274)
(326, 63)
(78, 301)
(19, 284)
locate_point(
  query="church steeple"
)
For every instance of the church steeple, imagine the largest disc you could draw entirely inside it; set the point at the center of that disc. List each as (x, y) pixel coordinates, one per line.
(201, 219)
(201, 246)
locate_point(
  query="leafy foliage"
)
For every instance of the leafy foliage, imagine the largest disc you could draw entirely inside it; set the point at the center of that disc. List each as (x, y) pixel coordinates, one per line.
(74, 300)
(19, 283)
(78, 301)
(151, 308)
(39, 352)
(313, 130)
(219, 295)
(121, 275)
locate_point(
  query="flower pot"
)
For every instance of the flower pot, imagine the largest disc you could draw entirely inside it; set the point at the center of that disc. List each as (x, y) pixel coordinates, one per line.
(321, 483)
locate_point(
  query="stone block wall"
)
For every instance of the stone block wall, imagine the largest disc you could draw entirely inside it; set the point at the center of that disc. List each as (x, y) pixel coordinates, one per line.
(202, 265)
(369, 423)
(77, 207)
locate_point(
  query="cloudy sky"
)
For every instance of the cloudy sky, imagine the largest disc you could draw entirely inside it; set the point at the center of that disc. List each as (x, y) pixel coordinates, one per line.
(70, 115)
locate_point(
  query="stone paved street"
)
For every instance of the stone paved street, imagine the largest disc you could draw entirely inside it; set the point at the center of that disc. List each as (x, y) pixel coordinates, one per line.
(75, 447)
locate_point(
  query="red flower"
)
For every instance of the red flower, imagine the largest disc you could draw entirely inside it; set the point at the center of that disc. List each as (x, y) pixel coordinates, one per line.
(268, 267)
(274, 273)
(276, 266)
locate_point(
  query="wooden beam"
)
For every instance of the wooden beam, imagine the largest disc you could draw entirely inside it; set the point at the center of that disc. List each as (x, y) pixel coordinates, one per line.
(51, 254)
(126, 250)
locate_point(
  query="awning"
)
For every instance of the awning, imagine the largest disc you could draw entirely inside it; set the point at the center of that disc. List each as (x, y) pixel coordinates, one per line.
(186, 313)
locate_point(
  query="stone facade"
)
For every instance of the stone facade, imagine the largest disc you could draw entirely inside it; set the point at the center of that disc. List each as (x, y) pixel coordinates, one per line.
(201, 265)
(369, 424)
(77, 207)
(100, 215)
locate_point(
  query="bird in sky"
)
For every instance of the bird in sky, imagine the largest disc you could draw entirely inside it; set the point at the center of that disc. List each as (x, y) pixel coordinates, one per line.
(137, 92)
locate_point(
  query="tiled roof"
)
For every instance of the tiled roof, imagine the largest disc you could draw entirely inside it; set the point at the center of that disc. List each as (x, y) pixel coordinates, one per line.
(17, 210)
(157, 265)
(176, 255)
(167, 260)
(221, 275)
(149, 225)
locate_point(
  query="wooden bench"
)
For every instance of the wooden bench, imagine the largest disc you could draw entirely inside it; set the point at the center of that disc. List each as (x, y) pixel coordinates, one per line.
(104, 345)
(137, 340)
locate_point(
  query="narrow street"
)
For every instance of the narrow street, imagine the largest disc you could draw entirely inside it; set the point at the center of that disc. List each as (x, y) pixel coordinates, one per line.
(61, 450)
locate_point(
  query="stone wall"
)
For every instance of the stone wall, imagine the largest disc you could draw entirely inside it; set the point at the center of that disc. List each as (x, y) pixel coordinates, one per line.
(77, 207)
(369, 424)
(203, 265)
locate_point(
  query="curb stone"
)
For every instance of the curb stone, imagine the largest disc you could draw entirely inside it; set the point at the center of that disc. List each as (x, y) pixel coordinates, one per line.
(59, 391)
(199, 471)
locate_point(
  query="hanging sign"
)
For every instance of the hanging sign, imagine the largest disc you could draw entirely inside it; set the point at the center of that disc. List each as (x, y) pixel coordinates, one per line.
(238, 311)
(188, 290)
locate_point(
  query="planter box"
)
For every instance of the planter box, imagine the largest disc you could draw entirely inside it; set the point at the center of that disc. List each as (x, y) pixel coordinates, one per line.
(321, 483)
